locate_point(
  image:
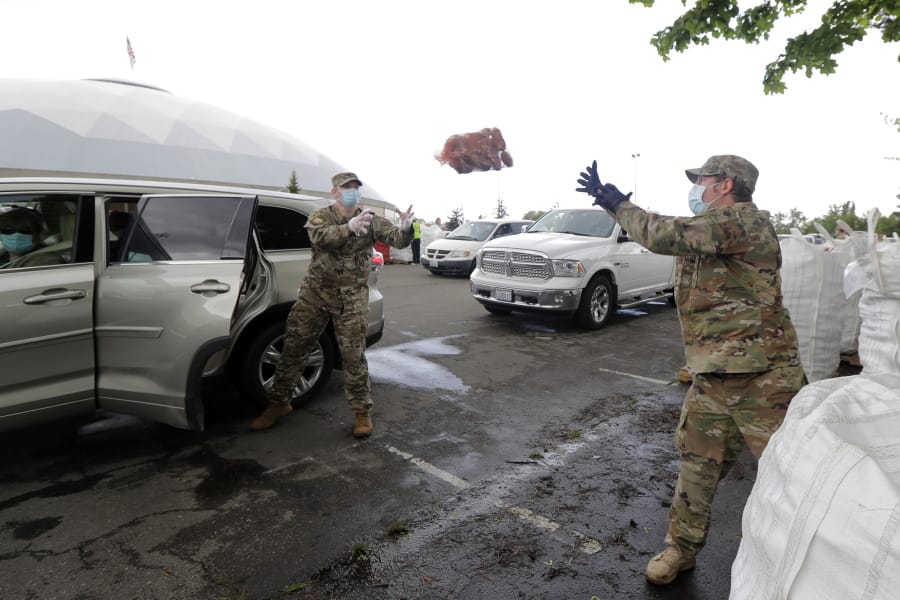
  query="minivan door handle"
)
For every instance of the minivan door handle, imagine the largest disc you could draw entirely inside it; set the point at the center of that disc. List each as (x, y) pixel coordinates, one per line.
(210, 287)
(55, 294)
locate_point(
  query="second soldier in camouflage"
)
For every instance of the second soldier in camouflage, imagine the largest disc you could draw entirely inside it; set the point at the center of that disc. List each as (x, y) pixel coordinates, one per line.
(739, 341)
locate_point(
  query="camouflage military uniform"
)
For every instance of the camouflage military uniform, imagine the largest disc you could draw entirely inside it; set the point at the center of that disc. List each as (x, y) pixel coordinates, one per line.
(336, 288)
(739, 343)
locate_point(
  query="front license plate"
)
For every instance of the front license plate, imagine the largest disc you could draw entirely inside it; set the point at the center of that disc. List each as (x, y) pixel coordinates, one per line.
(505, 295)
(432, 264)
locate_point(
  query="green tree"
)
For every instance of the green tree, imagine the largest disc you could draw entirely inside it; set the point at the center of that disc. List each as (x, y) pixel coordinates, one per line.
(888, 225)
(843, 24)
(455, 219)
(501, 212)
(534, 215)
(784, 222)
(845, 212)
(293, 185)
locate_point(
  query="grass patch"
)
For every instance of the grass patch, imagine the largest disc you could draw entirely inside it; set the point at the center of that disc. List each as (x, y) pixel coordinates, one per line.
(292, 588)
(397, 529)
(360, 553)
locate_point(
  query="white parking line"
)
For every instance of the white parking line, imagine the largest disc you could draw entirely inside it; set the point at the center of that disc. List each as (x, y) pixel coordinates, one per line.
(585, 543)
(640, 377)
(453, 480)
(304, 460)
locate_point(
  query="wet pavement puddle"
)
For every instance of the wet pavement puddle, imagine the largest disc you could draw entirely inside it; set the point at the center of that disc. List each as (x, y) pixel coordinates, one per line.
(408, 365)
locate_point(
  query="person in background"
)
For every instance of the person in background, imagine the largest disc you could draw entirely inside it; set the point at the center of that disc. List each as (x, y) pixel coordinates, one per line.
(336, 288)
(118, 222)
(417, 241)
(739, 341)
(439, 224)
(22, 233)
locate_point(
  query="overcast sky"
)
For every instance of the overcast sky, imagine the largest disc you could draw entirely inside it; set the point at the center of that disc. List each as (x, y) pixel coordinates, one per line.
(379, 86)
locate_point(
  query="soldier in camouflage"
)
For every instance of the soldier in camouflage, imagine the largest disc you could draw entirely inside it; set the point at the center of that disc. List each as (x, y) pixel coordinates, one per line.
(739, 341)
(335, 288)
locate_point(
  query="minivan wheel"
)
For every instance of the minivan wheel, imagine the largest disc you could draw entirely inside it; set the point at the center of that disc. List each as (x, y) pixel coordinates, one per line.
(598, 304)
(261, 358)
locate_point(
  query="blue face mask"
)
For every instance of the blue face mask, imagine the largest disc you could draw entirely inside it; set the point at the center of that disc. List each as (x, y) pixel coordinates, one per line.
(17, 243)
(695, 198)
(350, 197)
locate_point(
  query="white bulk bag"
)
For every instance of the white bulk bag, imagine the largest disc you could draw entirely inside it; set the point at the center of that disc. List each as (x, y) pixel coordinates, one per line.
(823, 519)
(812, 286)
(401, 255)
(430, 233)
(854, 246)
(878, 274)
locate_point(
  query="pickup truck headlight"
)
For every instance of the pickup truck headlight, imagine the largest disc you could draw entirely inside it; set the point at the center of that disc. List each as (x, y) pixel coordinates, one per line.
(567, 268)
(460, 254)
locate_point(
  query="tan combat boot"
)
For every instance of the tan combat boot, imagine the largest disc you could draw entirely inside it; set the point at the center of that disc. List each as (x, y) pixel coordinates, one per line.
(665, 566)
(363, 425)
(268, 417)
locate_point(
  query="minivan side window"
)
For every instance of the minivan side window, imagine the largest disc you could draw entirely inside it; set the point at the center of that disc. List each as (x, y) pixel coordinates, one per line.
(39, 230)
(182, 228)
(281, 228)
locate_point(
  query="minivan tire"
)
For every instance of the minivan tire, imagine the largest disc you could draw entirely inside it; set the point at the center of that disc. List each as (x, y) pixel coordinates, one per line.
(261, 357)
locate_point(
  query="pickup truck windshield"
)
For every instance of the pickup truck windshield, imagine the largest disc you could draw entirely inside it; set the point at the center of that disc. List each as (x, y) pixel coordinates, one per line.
(594, 223)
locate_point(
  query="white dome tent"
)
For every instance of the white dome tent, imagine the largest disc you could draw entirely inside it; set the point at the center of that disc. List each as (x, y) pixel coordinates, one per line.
(114, 128)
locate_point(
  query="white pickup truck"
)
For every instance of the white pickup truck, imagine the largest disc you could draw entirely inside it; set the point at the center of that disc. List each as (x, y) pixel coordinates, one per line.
(571, 261)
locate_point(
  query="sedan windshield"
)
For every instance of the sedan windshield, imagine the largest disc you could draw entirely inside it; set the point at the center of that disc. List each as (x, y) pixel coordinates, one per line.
(473, 230)
(594, 223)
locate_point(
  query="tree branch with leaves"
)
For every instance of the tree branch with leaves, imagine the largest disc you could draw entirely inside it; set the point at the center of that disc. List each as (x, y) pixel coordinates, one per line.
(843, 24)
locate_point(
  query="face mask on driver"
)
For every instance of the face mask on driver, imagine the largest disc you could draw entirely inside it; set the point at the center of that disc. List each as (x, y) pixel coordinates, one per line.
(17, 243)
(350, 197)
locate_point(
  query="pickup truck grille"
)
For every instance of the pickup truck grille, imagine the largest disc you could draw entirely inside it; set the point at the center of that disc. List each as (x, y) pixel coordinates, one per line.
(505, 263)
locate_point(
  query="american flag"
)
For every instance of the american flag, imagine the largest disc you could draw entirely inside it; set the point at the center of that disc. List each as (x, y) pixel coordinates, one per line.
(130, 51)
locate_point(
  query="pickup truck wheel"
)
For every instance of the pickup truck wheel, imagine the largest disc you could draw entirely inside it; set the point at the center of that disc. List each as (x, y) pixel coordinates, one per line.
(496, 310)
(597, 305)
(258, 366)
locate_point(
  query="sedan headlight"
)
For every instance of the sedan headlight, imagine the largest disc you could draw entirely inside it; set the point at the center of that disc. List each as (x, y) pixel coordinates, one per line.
(460, 254)
(567, 268)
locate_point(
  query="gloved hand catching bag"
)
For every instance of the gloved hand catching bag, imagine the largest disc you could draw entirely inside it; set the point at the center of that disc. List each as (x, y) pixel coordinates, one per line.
(360, 223)
(606, 195)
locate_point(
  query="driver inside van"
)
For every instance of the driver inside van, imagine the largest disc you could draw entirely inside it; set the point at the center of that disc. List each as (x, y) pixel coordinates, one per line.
(22, 232)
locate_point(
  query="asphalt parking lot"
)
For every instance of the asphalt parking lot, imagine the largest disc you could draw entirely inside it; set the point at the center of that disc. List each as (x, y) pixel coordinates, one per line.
(513, 457)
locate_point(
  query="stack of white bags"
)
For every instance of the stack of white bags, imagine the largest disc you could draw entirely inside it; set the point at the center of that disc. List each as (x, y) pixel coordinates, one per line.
(430, 232)
(823, 519)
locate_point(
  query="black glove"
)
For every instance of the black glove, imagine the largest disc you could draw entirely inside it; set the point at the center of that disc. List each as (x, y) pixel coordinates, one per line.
(589, 180)
(609, 197)
(606, 195)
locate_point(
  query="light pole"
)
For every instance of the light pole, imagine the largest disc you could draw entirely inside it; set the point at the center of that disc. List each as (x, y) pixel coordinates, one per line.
(635, 157)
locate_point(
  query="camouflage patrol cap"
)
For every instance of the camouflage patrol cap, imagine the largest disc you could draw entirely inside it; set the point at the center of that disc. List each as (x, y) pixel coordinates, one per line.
(344, 178)
(733, 167)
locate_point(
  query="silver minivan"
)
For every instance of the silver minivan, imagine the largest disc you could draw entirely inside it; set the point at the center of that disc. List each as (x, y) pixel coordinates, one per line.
(131, 292)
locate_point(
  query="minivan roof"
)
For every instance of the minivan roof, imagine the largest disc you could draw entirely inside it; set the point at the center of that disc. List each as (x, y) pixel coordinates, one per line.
(53, 183)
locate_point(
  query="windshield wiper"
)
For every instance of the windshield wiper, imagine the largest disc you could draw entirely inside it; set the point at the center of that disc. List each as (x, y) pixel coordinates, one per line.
(572, 232)
(461, 237)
